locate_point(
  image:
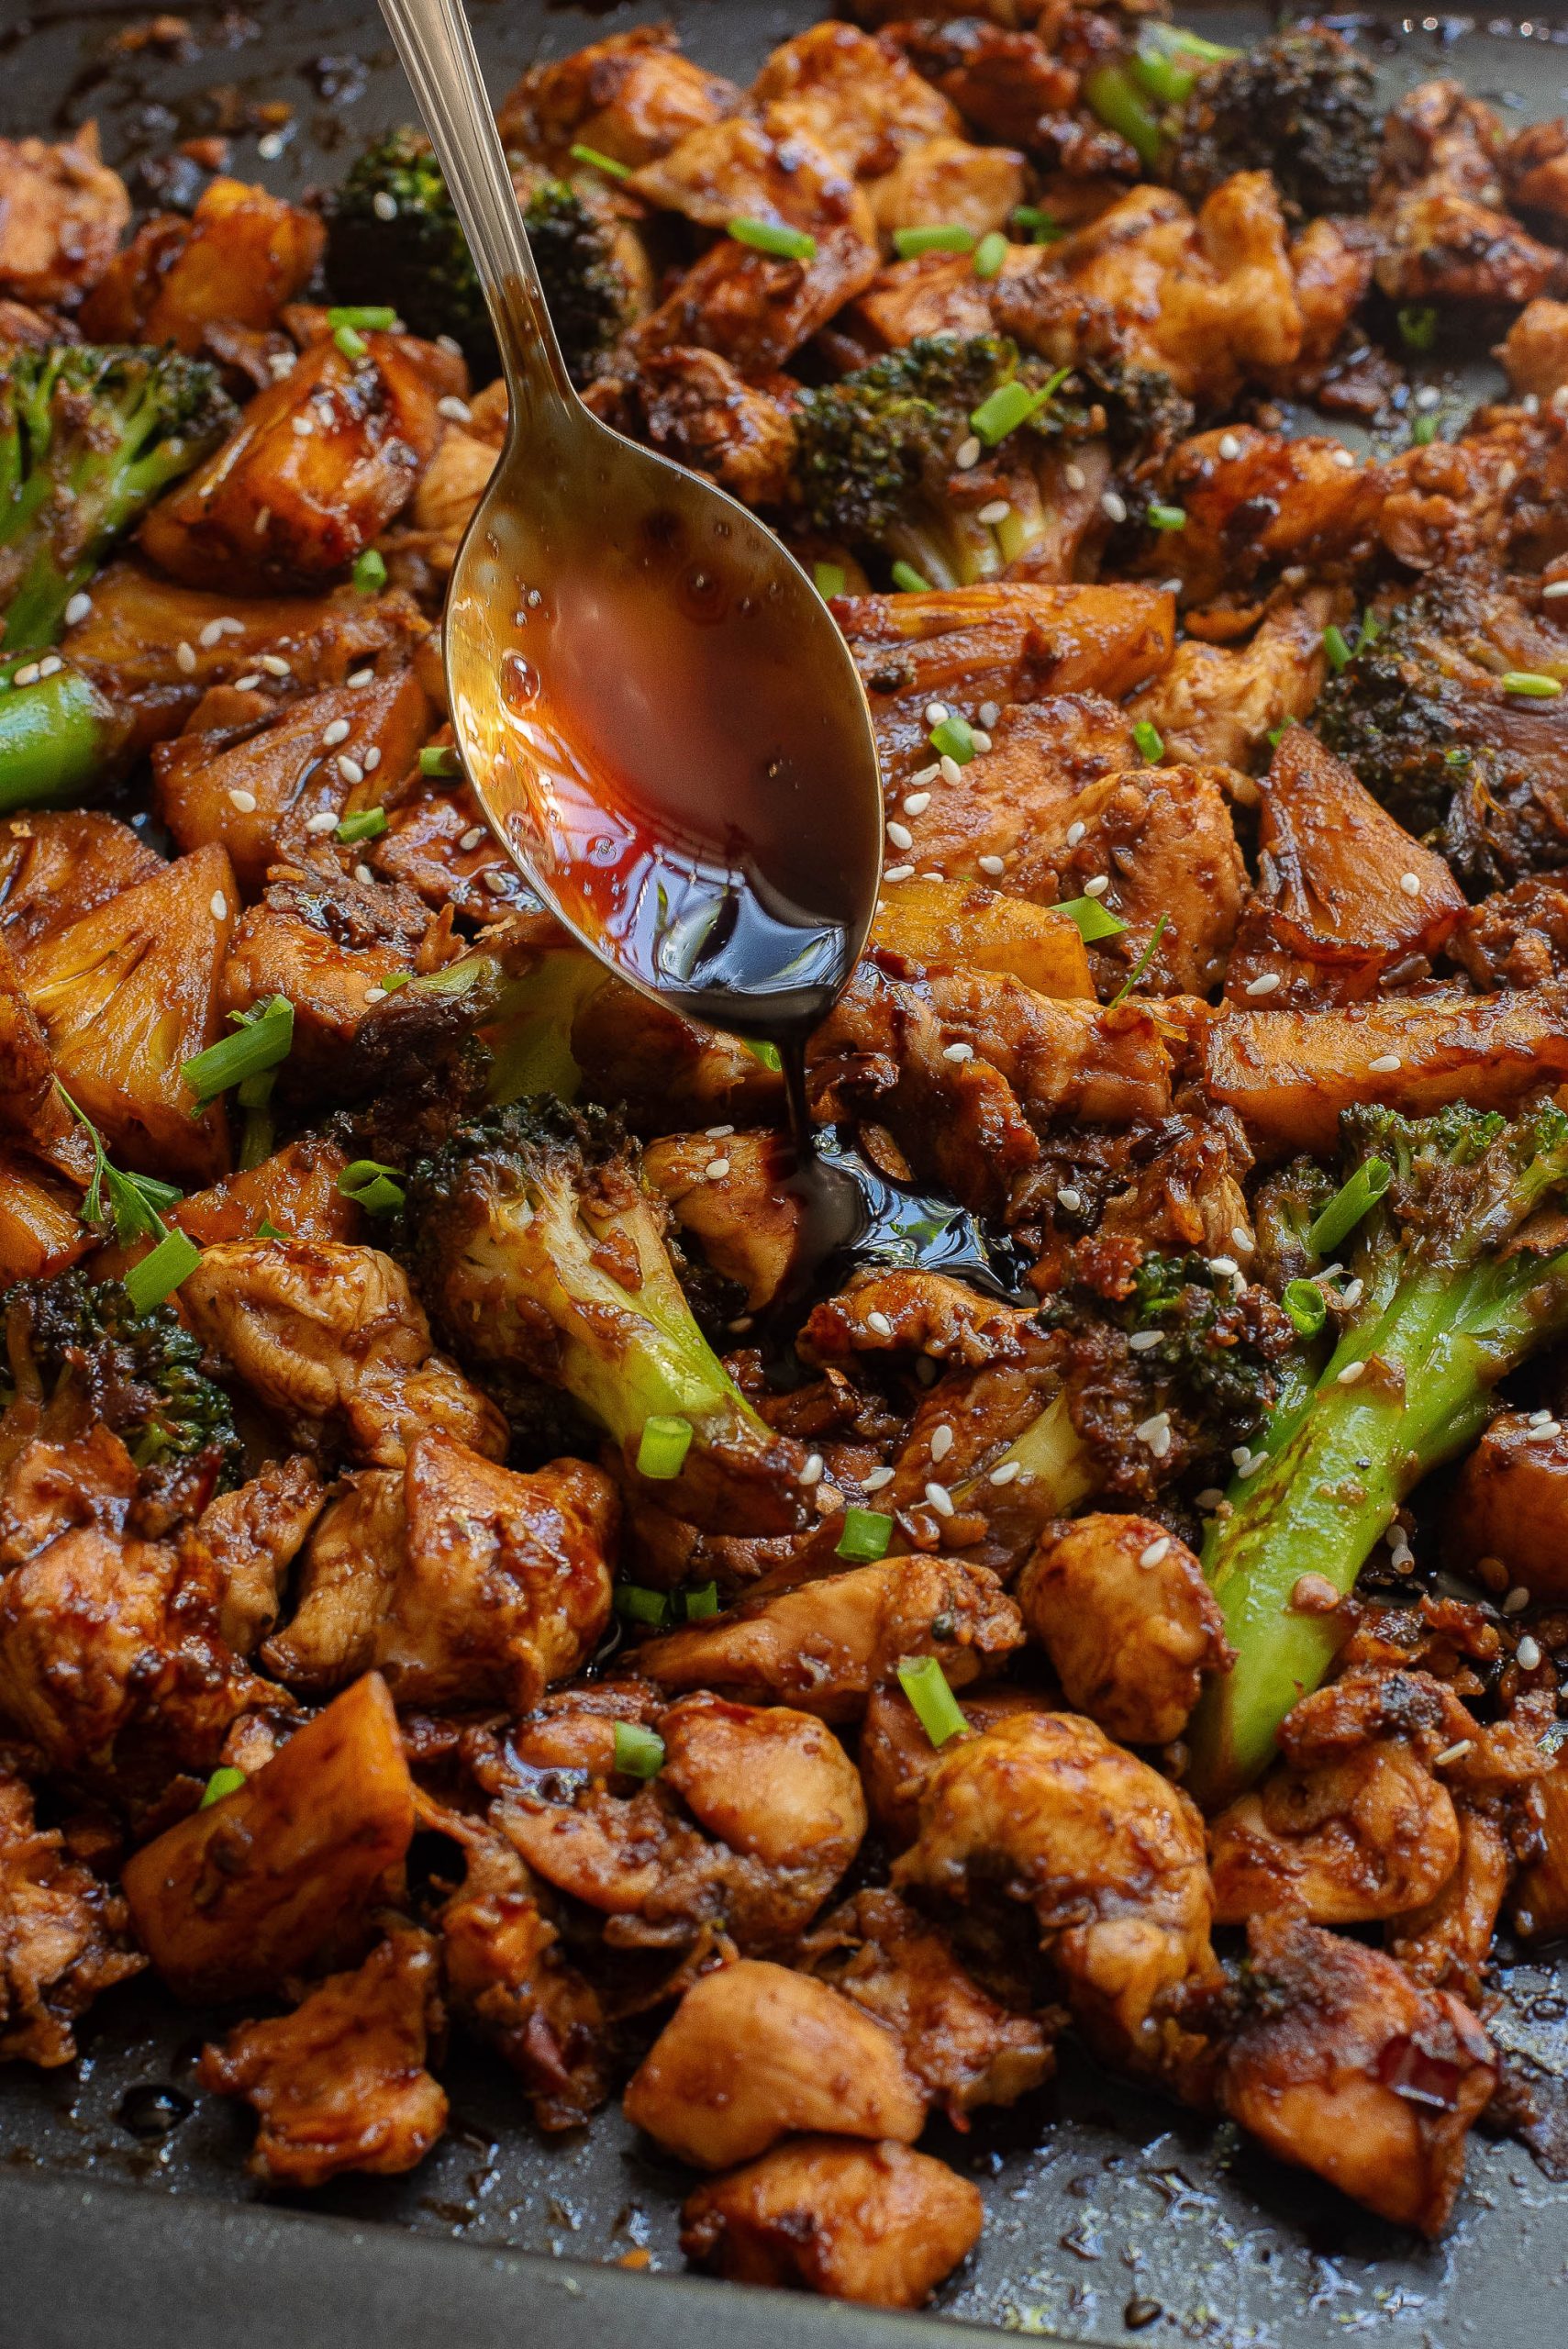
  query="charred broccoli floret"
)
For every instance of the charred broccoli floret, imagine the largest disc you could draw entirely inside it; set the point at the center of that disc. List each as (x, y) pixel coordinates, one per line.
(535, 1247)
(1453, 1286)
(1303, 105)
(90, 435)
(395, 234)
(79, 1343)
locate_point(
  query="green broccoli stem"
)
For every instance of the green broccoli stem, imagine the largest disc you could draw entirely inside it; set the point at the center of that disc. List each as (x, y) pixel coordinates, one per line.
(58, 735)
(1115, 97)
(1338, 1464)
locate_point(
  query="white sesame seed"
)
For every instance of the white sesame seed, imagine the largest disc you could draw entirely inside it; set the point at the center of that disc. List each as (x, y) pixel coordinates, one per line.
(812, 1472)
(1113, 506)
(939, 1497)
(1004, 1473)
(982, 740)
(936, 713)
(941, 1441)
(1074, 476)
(1528, 1653)
(248, 681)
(1097, 887)
(1530, 404)
(1225, 1268)
(874, 1482)
(880, 1324)
(743, 1322)
(917, 802)
(376, 994)
(1241, 1238)
(361, 677)
(998, 510)
(1546, 1428)
(80, 605)
(993, 865)
(245, 801)
(968, 454)
(28, 674)
(262, 518)
(185, 659)
(927, 774)
(949, 769)
(1411, 884)
(1343, 459)
(303, 426)
(1230, 447)
(456, 411)
(363, 873)
(274, 665)
(1069, 1198)
(1454, 1753)
(1353, 1293)
(1240, 1455)
(384, 205)
(1350, 1372)
(325, 822)
(1517, 1601)
(1386, 1063)
(717, 1169)
(1428, 395)
(1155, 1551)
(1142, 1340)
(1265, 986)
(51, 665)
(335, 733)
(1075, 833)
(1210, 1497)
(496, 880)
(1553, 589)
(718, 1133)
(901, 836)
(372, 760)
(471, 837)
(281, 364)
(350, 769)
(215, 630)
(1156, 1433)
(958, 1052)
(217, 906)
(898, 872)
(270, 146)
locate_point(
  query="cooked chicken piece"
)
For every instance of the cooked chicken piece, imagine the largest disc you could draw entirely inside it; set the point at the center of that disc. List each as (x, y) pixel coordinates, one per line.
(1540, 1906)
(631, 96)
(41, 1231)
(62, 213)
(1288, 1073)
(827, 1644)
(127, 994)
(1331, 261)
(747, 1222)
(1533, 354)
(244, 1894)
(331, 1333)
(1534, 167)
(698, 408)
(1442, 234)
(319, 494)
(873, 2224)
(340, 2083)
(776, 1800)
(252, 1536)
(671, 1074)
(929, 293)
(238, 260)
(963, 2048)
(58, 1478)
(1163, 838)
(506, 1977)
(1444, 1946)
(1511, 1504)
(1217, 704)
(1012, 805)
(1341, 2066)
(1350, 1840)
(1518, 938)
(55, 866)
(295, 1190)
(262, 792)
(438, 845)
(62, 1936)
(1258, 504)
(477, 1585)
(1131, 1628)
(1344, 894)
(856, 97)
(919, 1312)
(1005, 82)
(947, 182)
(1494, 495)
(1042, 1807)
(754, 2053)
(454, 481)
(897, 1757)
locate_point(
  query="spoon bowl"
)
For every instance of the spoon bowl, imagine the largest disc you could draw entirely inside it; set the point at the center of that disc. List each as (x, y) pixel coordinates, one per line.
(661, 722)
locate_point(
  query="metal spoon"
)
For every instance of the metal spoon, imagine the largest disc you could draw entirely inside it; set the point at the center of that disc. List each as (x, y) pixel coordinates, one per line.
(661, 720)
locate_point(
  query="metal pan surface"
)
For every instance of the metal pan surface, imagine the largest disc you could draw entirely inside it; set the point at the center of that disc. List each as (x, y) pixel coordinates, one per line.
(127, 2217)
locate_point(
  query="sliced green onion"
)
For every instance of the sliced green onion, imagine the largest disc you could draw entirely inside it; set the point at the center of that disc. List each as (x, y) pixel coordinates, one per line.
(635, 1603)
(1530, 684)
(1149, 738)
(268, 1229)
(910, 581)
(260, 1042)
(1042, 229)
(439, 759)
(639, 1752)
(666, 1441)
(368, 825)
(1094, 921)
(1114, 96)
(1457, 757)
(700, 1602)
(1167, 517)
(1424, 431)
(350, 343)
(1336, 646)
(1348, 1204)
(370, 571)
(598, 163)
(221, 1783)
(991, 255)
(948, 237)
(925, 1684)
(158, 1275)
(371, 317)
(1417, 324)
(1012, 403)
(1372, 629)
(773, 236)
(767, 1054)
(865, 1536)
(1305, 1303)
(1155, 935)
(953, 739)
(257, 1139)
(831, 578)
(398, 979)
(372, 1185)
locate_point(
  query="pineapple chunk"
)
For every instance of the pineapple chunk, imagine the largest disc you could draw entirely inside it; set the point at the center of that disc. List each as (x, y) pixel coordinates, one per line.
(240, 256)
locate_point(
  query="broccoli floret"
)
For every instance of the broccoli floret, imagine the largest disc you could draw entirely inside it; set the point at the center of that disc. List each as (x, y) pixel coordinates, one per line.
(1303, 105)
(537, 1248)
(82, 1346)
(89, 436)
(1421, 714)
(416, 256)
(1456, 1288)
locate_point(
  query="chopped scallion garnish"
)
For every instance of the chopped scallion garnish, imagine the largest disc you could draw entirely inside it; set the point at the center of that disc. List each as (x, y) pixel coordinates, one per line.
(1149, 741)
(1012, 403)
(1424, 431)
(1167, 517)
(599, 162)
(260, 1041)
(372, 1185)
(991, 255)
(350, 342)
(1042, 229)
(1305, 1303)
(865, 1536)
(1348, 1204)
(953, 739)
(925, 1684)
(221, 1783)
(439, 758)
(700, 1602)
(773, 237)
(368, 825)
(640, 1753)
(1094, 920)
(158, 1275)
(1337, 646)
(909, 581)
(370, 317)
(1530, 684)
(1417, 324)
(635, 1603)
(944, 237)
(666, 1440)
(370, 571)
(831, 577)
(1155, 935)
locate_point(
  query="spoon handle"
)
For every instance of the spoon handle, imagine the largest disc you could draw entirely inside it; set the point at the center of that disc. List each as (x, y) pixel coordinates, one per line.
(433, 41)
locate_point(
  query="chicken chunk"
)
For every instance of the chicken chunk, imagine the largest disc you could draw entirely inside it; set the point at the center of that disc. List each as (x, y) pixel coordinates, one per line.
(1217, 705)
(1511, 1503)
(697, 408)
(856, 97)
(62, 213)
(1130, 1626)
(631, 96)
(873, 2224)
(947, 182)
(1258, 505)
(340, 2083)
(1442, 233)
(754, 2053)
(896, 1756)
(62, 1936)
(1343, 2066)
(252, 1536)
(1444, 1944)
(333, 1334)
(1163, 837)
(1540, 1894)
